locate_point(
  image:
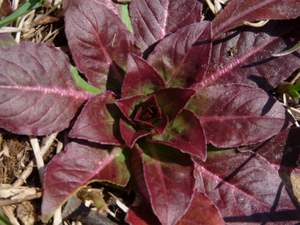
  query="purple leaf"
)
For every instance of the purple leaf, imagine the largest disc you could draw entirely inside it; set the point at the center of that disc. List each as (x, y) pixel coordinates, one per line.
(183, 56)
(283, 151)
(246, 57)
(246, 188)
(237, 12)
(153, 20)
(169, 180)
(128, 105)
(184, 133)
(37, 94)
(141, 214)
(76, 167)
(130, 135)
(202, 212)
(95, 123)
(166, 97)
(97, 38)
(233, 115)
(141, 78)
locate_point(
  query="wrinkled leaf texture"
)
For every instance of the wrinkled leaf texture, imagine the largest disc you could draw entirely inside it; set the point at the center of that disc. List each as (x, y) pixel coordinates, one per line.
(37, 94)
(77, 166)
(183, 57)
(97, 39)
(233, 115)
(246, 188)
(243, 187)
(237, 12)
(246, 56)
(153, 20)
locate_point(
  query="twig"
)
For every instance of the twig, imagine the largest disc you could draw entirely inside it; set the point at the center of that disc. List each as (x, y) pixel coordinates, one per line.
(285, 102)
(15, 4)
(57, 218)
(37, 155)
(8, 202)
(9, 212)
(29, 168)
(25, 174)
(256, 24)
(9, 30)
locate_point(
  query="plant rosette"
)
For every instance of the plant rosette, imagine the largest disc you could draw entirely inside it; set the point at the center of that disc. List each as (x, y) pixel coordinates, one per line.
(162, 85)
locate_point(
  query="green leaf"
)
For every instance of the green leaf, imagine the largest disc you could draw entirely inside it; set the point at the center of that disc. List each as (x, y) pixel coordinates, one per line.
(3, 220)
(125, 17)
(24, 9)
(80, 82)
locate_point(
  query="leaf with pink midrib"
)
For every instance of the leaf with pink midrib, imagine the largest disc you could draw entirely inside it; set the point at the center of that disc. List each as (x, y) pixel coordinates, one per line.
(233, 114)
(246, 188)
(246, 57)
(37, 94)
(97, 39)
(153, 20)
(183, 57)
(169, 180)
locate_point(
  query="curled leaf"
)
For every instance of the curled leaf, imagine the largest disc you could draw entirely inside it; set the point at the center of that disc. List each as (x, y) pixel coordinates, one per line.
(77, 166)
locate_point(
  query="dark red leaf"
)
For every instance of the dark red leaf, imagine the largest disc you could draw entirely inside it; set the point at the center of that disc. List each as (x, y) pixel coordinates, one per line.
(141, 214)
(237, 12)
(173, 100)
(141, 78)
(283, 151)
(153, 20)
(169, 180)
(95, 123)
(246, 188)
(184, 133)
(246, 57)
(128, 105)
(77, 166)
(37, 94)
(97, 38)
(130, 135)
(202, 212)
(233, 115)
(184, 56)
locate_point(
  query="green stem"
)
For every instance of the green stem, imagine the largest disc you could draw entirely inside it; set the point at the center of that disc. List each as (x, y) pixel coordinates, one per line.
(80, 82)
(3, 221)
